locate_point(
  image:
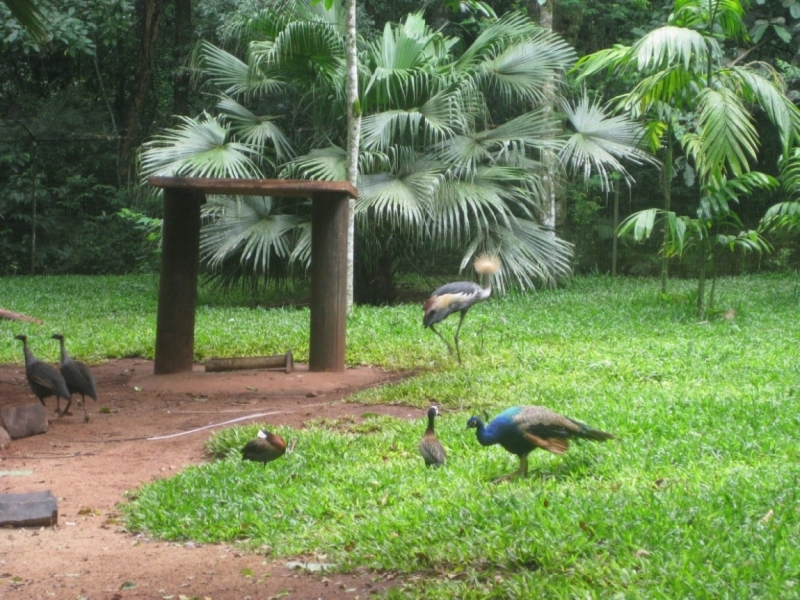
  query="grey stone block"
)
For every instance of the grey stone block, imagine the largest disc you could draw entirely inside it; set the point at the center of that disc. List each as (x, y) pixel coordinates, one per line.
(32, 509)
(24, 421)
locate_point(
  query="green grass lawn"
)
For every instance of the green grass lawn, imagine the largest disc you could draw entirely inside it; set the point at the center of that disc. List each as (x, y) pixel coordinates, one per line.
(698, 497)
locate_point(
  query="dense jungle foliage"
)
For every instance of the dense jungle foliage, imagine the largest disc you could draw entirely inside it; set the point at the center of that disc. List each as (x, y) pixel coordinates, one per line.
(76, 110)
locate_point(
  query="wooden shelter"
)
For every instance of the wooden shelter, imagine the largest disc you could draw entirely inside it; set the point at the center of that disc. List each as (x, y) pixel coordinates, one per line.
(177, 293)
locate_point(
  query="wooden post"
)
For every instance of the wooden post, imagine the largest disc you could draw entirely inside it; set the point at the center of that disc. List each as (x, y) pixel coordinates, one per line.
(329, 213)
(177, 291)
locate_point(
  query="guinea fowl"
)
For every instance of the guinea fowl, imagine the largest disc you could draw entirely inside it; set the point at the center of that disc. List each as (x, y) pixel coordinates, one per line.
(430, 447)
(45, 380)
(78, 377)
(265, 448)
(522, 429)
(459, 297)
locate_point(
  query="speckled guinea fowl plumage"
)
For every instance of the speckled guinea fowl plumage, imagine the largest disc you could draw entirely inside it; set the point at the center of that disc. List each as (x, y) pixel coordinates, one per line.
(522, 429)
(265, 448)
(430, 447)
(78, 376)
(44, 379)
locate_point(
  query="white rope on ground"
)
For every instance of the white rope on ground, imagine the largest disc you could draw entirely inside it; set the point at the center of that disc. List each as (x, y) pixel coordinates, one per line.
(172, 435)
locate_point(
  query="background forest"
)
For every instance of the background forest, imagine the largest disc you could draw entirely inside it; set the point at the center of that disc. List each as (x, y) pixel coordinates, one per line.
(119, 76)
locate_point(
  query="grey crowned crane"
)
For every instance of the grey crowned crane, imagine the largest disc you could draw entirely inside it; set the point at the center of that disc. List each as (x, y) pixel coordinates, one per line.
(45, 380)
(459, 297)
(79, 378)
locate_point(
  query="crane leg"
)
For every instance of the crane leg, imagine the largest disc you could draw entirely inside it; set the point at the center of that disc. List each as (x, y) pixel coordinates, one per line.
(449, 347)
(458, 329)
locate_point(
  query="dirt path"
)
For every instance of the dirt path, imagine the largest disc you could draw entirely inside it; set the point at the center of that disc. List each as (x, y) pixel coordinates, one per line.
(88, 467)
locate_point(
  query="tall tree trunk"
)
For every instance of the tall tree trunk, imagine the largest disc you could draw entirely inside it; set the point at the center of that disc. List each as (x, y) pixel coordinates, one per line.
(667, 188)
(149, 18)
(183, 46)
(614, 236)
(701, 280)
(353, 135)
(549, 160)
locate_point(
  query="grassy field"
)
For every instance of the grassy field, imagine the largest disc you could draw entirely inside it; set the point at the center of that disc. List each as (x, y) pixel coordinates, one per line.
(698, 497)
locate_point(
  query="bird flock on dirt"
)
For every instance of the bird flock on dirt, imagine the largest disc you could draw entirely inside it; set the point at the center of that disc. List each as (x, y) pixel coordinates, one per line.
(519, 429)
(73, 377)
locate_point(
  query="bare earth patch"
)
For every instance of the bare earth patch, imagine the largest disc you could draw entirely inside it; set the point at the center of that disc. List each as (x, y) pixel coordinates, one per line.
(89, 466)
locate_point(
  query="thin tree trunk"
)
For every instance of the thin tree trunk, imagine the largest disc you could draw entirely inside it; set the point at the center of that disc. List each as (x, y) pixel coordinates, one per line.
(548, 159)
(701, 281)
(667, 205)
(353, 135)
(150, 17)
(183, 46)
(711, 294)
(614, 236)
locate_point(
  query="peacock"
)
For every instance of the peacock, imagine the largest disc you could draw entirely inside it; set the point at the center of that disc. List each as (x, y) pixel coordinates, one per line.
(265, 448)
(430, 447)
(79, 378)
(522, 429)
(44, 379)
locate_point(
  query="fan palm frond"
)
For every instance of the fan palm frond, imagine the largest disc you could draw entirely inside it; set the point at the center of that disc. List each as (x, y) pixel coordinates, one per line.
(260, 132)
(324, 164)
(600, 144)
(530, 254)
(198, 148)
(246, 226)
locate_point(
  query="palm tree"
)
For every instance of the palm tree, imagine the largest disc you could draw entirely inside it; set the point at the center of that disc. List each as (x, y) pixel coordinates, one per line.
(30, 17)
(682, 73)
(439, 169)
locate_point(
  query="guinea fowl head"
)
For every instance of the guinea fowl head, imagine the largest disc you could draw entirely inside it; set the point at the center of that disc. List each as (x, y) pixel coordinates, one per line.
(433, 412)
(22, 338)
(57, 336)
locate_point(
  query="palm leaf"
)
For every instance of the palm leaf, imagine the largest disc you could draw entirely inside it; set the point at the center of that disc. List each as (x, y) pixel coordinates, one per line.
(198, 148)
(727, 138)
(257, 131)
(600, 143)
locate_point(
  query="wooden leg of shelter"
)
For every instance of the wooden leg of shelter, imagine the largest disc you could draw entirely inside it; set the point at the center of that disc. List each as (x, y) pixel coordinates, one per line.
(328, 281)
(177, 292)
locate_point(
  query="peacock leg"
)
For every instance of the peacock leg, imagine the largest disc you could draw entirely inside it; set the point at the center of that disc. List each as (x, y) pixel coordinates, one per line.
(449, 347)
(521, 472)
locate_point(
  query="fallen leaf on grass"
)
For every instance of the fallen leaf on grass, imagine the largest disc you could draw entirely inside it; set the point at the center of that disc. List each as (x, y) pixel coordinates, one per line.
(128, 585)
(246, 572)
(768, 516)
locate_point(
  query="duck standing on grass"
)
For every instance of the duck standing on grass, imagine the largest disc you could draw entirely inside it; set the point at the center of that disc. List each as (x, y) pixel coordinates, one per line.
(265, 448)
(522, 429)
(430, 447)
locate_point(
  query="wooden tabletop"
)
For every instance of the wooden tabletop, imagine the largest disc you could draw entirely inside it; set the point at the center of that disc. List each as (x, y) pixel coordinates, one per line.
(255, 187)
